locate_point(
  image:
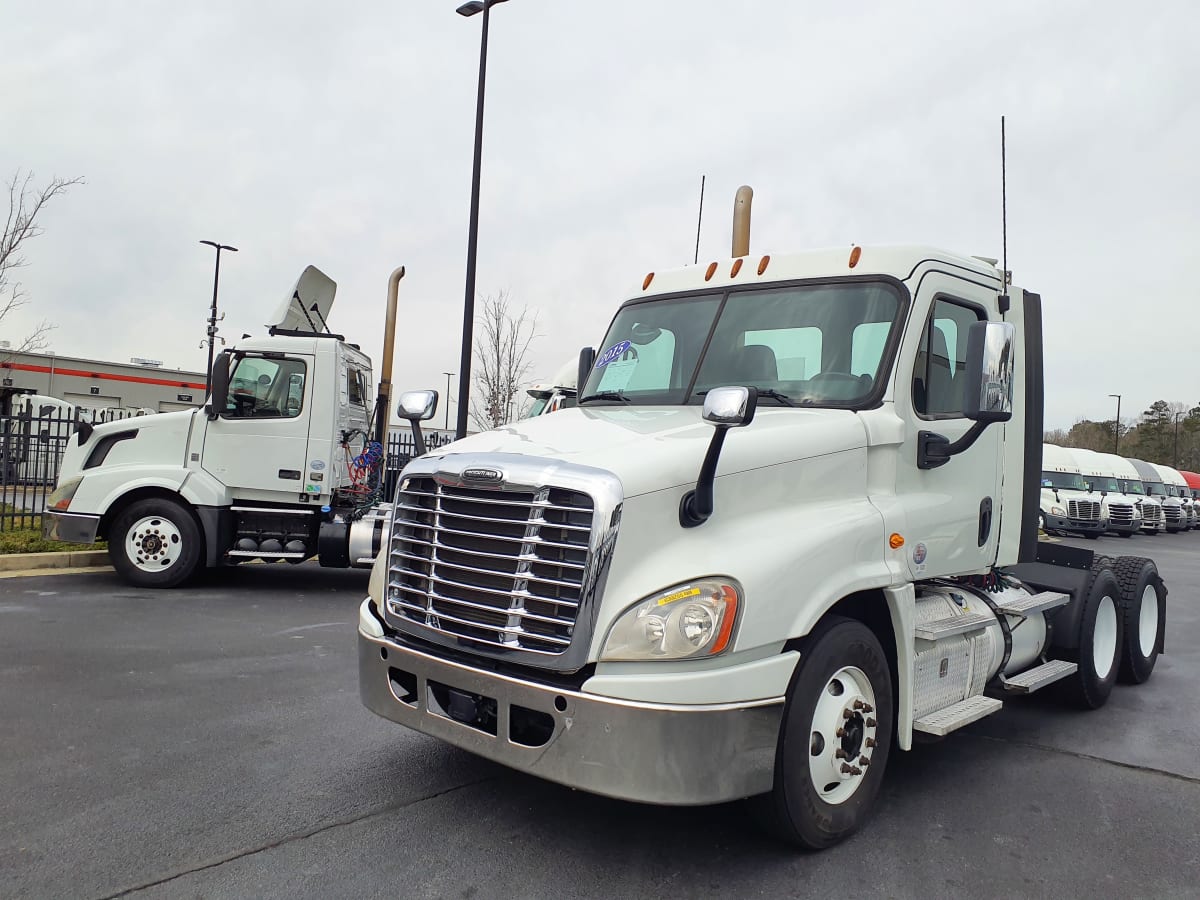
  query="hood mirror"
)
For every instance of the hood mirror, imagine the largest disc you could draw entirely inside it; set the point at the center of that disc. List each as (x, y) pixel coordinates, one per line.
(724, 407)
(417, 407)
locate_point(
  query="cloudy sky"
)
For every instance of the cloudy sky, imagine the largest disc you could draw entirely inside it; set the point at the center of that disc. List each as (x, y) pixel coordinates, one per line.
(341, 135)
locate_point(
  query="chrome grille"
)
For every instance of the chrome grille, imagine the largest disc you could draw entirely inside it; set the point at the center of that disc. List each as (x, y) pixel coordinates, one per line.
(1151, 512)
(1120, 514)
(502, 569)
(1173, 514)
(1088, 510)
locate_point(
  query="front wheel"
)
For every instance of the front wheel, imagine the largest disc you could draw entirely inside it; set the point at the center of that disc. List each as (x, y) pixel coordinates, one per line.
(834, 742)
(155, 543)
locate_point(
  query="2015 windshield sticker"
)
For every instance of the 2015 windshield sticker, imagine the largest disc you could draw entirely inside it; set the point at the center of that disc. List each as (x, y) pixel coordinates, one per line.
(612, 354)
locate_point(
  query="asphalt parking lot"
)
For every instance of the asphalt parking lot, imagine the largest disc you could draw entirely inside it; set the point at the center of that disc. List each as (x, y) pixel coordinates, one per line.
(209, 742)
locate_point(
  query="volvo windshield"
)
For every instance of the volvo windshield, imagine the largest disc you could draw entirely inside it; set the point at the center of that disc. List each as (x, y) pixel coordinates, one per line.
(1064, 481)
(803, 345)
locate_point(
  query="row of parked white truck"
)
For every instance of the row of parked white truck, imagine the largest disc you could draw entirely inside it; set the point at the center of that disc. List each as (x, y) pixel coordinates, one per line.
(1090, 493)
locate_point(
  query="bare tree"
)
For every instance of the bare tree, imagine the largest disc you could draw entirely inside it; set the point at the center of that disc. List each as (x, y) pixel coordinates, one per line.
(25, 204)
(502, 361)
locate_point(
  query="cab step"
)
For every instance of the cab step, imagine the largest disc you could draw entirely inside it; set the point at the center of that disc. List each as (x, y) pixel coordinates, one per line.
(1031, 604)
(1039, 676)
(951, 718)
(948, 627)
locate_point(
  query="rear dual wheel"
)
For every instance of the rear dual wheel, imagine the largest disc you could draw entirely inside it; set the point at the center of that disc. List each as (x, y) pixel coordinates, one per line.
(1145, 616)
(1100, 636)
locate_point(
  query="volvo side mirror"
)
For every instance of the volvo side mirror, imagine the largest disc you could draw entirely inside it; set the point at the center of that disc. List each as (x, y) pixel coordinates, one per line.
(218, 386)
(724, 407)
(417, 407)
(989, 372)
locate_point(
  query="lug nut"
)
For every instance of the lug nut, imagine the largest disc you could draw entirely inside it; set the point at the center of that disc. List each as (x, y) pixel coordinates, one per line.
(855, 770)
(858, 704)
(868, 708)
(846, 714)
(870, 723)
(839, 753)
(870, 742)
(863, 761)
(841, 732)
(846, 769)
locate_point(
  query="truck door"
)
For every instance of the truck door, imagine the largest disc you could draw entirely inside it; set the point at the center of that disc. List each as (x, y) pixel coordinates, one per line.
(259, 442)
(952, 512)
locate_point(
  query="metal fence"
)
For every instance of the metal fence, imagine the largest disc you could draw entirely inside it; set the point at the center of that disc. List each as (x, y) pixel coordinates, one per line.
(32, 447)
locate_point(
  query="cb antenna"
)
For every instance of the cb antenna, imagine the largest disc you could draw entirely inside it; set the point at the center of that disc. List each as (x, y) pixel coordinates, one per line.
(699, 219)
(1004, 299)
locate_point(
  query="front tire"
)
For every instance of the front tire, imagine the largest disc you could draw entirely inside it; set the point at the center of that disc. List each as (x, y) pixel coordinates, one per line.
(1145, 616)
(155, 543)
(834, 742)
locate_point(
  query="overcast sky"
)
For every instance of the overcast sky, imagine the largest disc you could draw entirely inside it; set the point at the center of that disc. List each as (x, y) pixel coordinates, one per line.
(341, 135)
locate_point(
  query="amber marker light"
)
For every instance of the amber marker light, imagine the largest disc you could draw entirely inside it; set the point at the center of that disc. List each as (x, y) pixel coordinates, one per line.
(896, 541)
(854, 255)
(712, 270)
(737, 267)
(763, 263)
(731, 603)
(646, 283)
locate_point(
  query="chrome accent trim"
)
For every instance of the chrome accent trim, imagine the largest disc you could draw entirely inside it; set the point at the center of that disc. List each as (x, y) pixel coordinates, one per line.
(274, 511)
(525, 475)
(645, 752)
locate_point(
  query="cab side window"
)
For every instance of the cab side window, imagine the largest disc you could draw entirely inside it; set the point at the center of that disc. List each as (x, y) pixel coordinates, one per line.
(265, 388)
(938, 379)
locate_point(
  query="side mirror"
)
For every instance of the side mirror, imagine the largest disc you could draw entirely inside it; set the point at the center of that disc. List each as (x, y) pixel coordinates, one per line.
(989, 372)
(730, 406)
(219, 387)
(725, 407)
(417, 406)
(587, 359)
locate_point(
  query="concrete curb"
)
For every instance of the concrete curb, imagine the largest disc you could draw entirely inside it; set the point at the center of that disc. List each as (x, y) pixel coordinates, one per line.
(69, 559)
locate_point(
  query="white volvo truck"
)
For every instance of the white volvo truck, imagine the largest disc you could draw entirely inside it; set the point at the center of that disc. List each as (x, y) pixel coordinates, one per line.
(800, 531)
(1068, 504)
(279, 465)
(1121, 512)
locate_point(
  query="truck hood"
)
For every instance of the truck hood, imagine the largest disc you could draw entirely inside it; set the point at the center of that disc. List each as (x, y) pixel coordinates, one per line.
(160, 439)
(655, 448)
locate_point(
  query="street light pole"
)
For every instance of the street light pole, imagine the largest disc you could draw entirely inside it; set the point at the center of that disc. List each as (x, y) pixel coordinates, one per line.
(1175, 454)
(1117, 424)
(212, 313)
(448, 375)
(464, 365)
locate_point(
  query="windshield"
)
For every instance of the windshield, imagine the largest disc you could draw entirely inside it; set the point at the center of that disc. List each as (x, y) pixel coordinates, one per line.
(816, 345)
(1155, 489)
(1103, 483)
(1066, 481)
(1132, 487)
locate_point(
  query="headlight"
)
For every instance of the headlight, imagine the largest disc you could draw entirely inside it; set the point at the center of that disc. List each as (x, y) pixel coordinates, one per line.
(62, 495)
(686, 621)
(1057, 511)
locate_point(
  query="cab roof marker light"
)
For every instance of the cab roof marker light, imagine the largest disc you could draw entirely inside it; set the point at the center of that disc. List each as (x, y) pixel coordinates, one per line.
(712, 270)
(737, 267)
(763, 263)
(855, 253)
(646, 283)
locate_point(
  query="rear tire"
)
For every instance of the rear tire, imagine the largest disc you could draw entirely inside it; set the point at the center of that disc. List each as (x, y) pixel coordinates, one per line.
(1100, 641)
(155, 543)
(838, 714)
(1145, 616)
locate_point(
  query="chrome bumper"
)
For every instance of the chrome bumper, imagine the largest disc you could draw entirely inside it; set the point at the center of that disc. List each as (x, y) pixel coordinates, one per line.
(650, 753)
(73, 528)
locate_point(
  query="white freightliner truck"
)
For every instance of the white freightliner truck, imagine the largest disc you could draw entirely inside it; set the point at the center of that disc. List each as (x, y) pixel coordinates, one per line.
(1121, 512)
(789, 538)
(1174, 515)
(1068, 505)
(558, 393)
(279, 465)
(1177, 486)
(1132, 485)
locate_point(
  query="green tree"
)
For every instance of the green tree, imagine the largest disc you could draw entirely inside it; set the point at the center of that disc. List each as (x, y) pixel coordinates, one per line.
(1156, 433)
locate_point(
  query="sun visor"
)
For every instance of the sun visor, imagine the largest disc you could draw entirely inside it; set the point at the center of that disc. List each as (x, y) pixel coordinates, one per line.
(307, 305)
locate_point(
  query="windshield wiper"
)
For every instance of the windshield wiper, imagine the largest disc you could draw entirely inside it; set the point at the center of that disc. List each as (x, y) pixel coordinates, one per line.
(606, 395)
(773, 394)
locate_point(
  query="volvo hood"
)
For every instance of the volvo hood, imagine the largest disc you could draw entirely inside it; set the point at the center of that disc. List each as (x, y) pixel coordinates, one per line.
(655, 448)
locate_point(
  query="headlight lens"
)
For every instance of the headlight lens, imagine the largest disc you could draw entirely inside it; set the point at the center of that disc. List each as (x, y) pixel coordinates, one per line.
(686, 621)
(1057, 511)
(60, 498)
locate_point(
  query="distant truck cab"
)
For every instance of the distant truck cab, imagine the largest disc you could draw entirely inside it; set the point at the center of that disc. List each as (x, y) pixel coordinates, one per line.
(1068, 504)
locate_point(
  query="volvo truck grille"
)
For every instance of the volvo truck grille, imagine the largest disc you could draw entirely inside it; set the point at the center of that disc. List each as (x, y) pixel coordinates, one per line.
(492, 568)
(1120, 514)
(1088, 510)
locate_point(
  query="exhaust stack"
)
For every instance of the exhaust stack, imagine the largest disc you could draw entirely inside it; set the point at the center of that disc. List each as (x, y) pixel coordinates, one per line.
(741, 220)
(384, 394)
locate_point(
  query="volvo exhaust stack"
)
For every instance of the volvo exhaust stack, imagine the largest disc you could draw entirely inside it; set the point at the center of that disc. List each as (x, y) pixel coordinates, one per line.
(385, 365)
